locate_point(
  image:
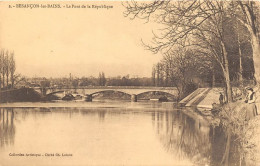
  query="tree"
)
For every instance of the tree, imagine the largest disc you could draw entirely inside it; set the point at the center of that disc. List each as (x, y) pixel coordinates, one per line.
(103, 79)
(240, 73)
(100, 79)
(44, 84)
(184, 67)
(184, 20)
(210, 39)
(7, 67)
(153, 76)
(166, 74)
(12, 67)
(17, 78)
(75, 83)
(158, 74)
(247, 12)
(3, 66)
(84, 81)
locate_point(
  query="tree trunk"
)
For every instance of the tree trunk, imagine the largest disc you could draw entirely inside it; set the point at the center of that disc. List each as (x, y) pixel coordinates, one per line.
(7, 80)
(213, 78)
(228, 87)
(0, 88)
(256, 56)
(226, 74)
(3, 80)
(240, 76)
(158, 76)
(12, 81)
(181, 92)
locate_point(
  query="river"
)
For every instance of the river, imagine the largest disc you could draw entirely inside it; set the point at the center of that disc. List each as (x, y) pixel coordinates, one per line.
(106, 133)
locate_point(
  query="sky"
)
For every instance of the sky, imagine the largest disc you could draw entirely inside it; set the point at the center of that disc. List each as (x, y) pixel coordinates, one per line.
(83, 42)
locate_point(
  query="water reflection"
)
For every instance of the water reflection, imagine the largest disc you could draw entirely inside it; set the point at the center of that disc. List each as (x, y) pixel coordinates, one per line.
(101, 115)
(121, 131)
(188, 137)
(183, 136)
(7, 127)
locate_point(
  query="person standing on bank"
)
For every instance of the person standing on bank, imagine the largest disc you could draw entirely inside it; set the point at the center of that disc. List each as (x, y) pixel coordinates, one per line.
(251, 110)
(221, 99)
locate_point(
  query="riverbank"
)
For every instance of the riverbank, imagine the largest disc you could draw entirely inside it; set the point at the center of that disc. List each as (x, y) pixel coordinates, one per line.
(20, 95)
(255, 139)
(233, 116)
(244, 128)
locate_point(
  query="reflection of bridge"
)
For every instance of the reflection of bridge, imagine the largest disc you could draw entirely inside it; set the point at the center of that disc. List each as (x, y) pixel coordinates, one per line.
(91, 90)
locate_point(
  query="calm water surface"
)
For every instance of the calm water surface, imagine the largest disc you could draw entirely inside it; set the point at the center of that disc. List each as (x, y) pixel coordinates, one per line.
(105, 133)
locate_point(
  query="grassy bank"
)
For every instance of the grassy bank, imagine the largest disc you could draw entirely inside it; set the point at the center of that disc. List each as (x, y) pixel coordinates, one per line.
(244, 130)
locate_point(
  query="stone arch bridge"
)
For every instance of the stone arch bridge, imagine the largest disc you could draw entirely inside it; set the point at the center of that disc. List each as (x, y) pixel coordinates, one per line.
(89, 91)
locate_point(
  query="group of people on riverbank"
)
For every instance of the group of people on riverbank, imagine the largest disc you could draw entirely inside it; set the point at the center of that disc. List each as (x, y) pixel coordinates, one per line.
(247, 105)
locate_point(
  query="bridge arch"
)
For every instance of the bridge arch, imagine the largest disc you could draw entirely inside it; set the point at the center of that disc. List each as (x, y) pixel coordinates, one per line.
(89, 97)
(163, 96)
(110, 90)
(52, 93)
(161, 91)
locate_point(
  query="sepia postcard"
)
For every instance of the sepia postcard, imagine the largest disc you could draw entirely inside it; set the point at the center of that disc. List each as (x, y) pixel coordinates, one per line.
(129, 83)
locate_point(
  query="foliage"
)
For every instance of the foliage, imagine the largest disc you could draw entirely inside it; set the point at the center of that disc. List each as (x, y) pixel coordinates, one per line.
(75, 83)
(102, 79)
(45, 83)
(7, 69)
